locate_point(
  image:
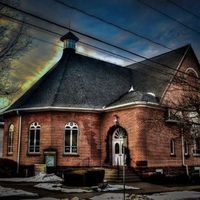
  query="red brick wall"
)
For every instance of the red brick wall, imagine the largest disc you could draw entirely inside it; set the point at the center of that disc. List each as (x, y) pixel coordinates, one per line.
(52, 135)
(15, 121)
(44, 119)
(148, 137)
(88, 140)
(174, 92)
(129, 119)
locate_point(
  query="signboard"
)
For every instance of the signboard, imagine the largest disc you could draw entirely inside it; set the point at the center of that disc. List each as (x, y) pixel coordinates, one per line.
(50, 160)
(39, 168)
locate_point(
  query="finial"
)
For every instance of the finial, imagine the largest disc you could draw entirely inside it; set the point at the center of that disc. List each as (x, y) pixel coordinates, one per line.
(131, 89)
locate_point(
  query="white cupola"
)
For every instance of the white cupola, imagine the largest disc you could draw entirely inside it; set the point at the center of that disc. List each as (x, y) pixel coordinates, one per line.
(69, 40)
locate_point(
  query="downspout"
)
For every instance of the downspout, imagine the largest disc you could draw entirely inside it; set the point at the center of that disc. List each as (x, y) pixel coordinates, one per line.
(19, 141)
(183, 154)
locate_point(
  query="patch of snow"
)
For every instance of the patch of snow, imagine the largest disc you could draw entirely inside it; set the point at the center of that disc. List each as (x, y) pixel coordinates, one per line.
(118, 187)
(7, 192)
(177, 195)
(40, 178)
(110, 196)
(58, 187)
(105, 187)
(46, 198)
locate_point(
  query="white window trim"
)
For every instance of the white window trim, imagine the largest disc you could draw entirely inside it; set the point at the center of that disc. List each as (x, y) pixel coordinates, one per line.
(186, 147)
(10, 138)
(34, 126)
(71, 125)
(193, 70)
(172, 147)
(195, 148)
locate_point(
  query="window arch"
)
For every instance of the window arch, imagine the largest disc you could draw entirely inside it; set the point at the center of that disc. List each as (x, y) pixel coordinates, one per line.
(192, 77)
(10, 138)
(191, 71)
(71, 138)
(34, 138)
(119, 134)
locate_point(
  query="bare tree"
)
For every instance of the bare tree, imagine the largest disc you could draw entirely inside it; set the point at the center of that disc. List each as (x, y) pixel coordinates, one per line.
(13, 43)
(184, 107)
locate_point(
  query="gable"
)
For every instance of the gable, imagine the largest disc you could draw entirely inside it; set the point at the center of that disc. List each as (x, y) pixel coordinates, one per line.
(154, 74)
(175, 89)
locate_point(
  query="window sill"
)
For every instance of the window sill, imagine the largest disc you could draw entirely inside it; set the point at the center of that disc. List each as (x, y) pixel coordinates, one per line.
(34, 154)
(196, 154)
(173, 155)
(71, 154)
(10, 154)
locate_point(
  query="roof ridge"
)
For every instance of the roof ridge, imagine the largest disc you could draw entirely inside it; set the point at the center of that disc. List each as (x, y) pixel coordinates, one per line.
(182, 47)
(100, 60)
(35, 85)
(62, 77)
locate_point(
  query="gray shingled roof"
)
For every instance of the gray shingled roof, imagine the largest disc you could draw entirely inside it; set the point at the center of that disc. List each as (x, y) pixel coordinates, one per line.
(78, 81)
(135, 96)
(84, 82)
(154, 77)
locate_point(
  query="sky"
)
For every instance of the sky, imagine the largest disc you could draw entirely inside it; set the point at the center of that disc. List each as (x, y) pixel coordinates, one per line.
(146, 18)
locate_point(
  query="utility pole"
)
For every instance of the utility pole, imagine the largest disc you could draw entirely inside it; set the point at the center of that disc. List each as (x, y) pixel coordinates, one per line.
(124, 167)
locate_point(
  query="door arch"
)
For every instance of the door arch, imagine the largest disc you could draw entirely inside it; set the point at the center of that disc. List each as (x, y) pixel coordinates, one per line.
(117, 147)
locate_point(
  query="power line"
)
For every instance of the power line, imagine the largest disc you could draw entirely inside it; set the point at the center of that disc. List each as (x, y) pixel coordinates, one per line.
(145, 70)
(168, 16)
(48, 31)
(99, 40)
(112, 24)
(186, 10)
(53, 32)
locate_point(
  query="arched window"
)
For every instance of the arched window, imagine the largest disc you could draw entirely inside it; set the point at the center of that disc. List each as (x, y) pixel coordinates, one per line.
(10, 138)
(192, 78)
(71, 136)
(34, 138)
(172, 147)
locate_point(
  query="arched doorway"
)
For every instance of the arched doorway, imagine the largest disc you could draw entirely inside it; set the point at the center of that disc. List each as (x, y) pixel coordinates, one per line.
(117, 147)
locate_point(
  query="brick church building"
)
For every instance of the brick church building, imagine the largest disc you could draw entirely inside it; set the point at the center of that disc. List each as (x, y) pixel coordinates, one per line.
(86, 112)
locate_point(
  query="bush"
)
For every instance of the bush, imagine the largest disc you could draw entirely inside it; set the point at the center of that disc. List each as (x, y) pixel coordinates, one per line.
(94, 176)
(8, 168)
(84, 177)
(166, 179)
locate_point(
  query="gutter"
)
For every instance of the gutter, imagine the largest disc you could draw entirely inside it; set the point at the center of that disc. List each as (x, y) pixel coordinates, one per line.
(95, 110)
(183, 155)
(19, 140)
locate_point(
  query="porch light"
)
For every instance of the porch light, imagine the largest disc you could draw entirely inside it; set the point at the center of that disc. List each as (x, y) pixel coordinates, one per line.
(116, 120)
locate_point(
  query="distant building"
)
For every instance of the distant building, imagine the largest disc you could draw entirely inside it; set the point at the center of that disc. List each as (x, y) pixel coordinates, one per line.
(83, 108)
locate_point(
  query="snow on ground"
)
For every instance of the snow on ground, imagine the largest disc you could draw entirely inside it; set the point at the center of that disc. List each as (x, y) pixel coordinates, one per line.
(6, 192)
(177, 195)
(110, 196)
(118, 187)
(42, 177)
(58, 187)
(46, 198)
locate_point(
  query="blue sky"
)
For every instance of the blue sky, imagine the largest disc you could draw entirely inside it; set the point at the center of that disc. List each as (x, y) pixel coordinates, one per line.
(129, 14)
